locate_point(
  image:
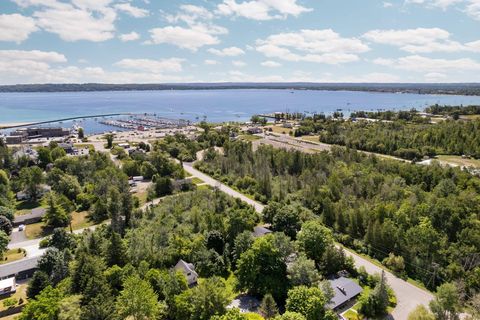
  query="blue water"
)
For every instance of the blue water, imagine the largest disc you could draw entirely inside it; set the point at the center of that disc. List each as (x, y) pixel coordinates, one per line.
(212, 105)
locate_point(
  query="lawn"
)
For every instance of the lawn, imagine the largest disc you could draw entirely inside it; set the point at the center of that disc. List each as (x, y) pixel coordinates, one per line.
(19, 296)
(311, 138)
(351, 314)
(280, 129)
(79, 221)
(459, 161)
(249, 137)
(142, 197)
(24, 207)
(13, 255)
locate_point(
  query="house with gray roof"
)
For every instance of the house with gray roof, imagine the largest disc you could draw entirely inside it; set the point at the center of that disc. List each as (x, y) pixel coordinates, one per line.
(36, 215)
(21, 269)
(188, 269)
(345, 290)
(260, 231)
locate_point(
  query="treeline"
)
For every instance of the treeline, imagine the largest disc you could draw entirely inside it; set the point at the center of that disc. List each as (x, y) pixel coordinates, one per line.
(422, 221)
(405, 140)
(390, 115)
(453, 110)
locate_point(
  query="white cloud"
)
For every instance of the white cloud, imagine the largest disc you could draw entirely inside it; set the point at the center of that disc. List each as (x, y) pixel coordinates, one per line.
(418, 63)
(131, 10)
(199, 30)
(186, 38)
(239, 64)
(17, 66)
(470, 7)
(271, 64)
(435, 76)
(15, 27)
(148, 65)
(443, 4)
(210, 62)
(261, 9)
(227, 52)
(473, 9)
(320, 46)
(387, 4)
(421, 40)
(33, 55)
(90, 20)
(129, 36)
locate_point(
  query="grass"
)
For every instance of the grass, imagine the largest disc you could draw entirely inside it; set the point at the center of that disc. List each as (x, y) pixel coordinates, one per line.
(142, 197)
(80, 220)
(470, 116)
(25, 206)
(458, 160)
(204, 187)
(91, 147)
(249, 137)
(311, 138)
(13, 255)
(280, 129)
(351, 315)
(196, 180)
(21, 294)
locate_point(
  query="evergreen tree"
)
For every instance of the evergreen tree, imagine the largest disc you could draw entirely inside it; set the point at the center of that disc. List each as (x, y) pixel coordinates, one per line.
(116, 252)
(268, 307)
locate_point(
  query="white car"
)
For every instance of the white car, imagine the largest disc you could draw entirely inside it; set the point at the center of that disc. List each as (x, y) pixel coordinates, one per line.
(21, 227)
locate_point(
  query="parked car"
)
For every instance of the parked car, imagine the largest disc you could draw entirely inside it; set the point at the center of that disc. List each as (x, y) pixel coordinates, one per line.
(21, 227)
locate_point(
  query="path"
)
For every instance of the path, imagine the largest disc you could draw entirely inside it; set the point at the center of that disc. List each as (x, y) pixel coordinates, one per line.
(408, 295)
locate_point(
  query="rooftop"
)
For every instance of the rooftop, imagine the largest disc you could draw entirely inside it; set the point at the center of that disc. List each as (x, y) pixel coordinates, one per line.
(345, 289)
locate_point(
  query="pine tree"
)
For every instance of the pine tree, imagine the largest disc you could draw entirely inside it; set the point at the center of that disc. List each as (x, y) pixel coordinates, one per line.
(116, 253)
(268, 307)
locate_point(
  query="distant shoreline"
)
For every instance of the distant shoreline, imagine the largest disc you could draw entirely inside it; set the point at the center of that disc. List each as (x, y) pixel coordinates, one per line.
(464, 89)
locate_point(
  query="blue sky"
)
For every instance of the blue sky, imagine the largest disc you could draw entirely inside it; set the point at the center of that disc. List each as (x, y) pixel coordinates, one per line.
(145, 41)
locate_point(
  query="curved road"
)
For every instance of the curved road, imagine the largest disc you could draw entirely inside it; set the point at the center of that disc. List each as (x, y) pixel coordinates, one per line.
(408, 295)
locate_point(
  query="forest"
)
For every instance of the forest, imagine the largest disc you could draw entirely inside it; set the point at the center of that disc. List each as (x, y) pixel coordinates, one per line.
(407, 140)
(420, 221)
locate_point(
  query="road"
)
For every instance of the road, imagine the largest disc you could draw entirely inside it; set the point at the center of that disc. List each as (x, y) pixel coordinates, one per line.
(408, 295)
(188, 166)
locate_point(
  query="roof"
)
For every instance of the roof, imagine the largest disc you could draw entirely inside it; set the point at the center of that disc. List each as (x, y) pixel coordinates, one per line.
(16, 267)
(185, 266)
(7, 283)
(35, 213)
(259, 231)
(345, 289)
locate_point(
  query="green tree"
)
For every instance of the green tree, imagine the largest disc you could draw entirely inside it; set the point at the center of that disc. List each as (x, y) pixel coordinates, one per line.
(375, 303)
(268, 307)
(58, 153)
(44, 157)
(39, 281)
(32, 178)
(303, 272)
(55, 215)
(137, 300)
(421, 313)
(81, 133)
(5, 225)
(61, 239)
(70, 308)
(290, 316)
(314, 239)
(109, 138)
(310, 302)
(116, 252)
(46, 306)
(4, 240)
(445, 305)
(232, 314)
(261, 269)
(163, 186)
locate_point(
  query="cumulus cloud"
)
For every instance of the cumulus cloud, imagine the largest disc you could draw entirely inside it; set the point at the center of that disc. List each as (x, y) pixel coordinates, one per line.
(261, 9)
(320, 46)
(418, 63)
(198, 32)
(148, 65)
(210, 62)
(239, 63)
(470, 7)
(15, 27)
(129, 36)
(18, 66)
(91, 20)
(227, 52)
(132, 10)
(271, 64)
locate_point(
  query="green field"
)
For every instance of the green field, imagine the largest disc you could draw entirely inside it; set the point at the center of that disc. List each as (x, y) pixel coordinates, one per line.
(459, 161)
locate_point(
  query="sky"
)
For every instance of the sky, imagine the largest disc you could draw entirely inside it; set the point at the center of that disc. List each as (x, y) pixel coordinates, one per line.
(164, 41)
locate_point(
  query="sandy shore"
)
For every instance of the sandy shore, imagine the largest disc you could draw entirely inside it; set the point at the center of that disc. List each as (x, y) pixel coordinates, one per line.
(11, 124)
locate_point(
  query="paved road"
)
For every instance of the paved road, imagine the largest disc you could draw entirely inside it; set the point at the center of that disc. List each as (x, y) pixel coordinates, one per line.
(408, 296)
(188, 166)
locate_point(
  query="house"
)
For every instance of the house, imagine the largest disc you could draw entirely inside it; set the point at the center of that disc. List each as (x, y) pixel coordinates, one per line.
(260, 231)
(345, 290)
(34, 216)
(188, 270)
(137, 178)
(43, 189)
(8, 286)
(68, 147)
(21, 269)
(254, 130)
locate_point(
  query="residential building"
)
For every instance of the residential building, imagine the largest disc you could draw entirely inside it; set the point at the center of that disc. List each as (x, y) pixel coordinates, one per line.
(260, 231)
(34, 216)
(8, 286)
(345, 290)
(188, 270)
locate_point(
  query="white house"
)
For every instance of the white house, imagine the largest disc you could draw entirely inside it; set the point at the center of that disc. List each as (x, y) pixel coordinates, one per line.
(7, 286)
(188, 270)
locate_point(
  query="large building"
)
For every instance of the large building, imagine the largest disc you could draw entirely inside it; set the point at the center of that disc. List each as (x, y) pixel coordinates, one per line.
(21, 135)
